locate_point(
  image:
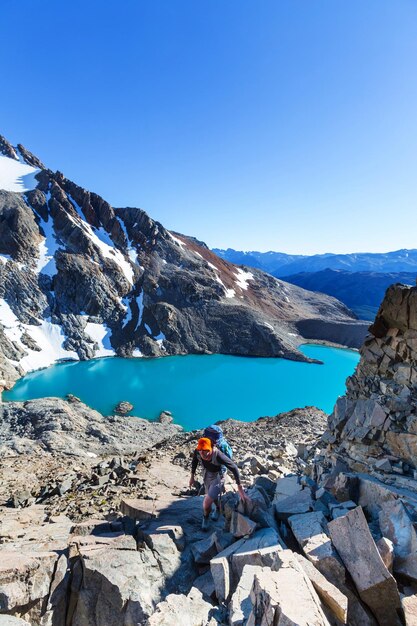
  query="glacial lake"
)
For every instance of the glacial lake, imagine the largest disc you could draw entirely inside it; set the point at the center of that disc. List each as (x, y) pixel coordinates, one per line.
(198, 389)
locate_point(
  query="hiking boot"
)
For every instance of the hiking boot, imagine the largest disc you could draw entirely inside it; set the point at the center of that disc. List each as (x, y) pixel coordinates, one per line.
(205, 523)
(215, 515)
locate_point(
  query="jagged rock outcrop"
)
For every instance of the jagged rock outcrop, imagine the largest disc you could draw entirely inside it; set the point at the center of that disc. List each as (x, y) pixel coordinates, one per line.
(67, 427)
(79, 278)
(374, 426)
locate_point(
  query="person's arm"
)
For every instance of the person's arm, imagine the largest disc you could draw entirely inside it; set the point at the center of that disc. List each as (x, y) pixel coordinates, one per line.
(193, 467)
(223, 459)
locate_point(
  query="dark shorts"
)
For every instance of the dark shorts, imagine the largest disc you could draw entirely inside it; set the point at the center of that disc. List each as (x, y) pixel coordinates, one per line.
(213, 484)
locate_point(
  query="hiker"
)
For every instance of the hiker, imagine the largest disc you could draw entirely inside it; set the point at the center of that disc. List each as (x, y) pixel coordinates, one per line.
(212, 459)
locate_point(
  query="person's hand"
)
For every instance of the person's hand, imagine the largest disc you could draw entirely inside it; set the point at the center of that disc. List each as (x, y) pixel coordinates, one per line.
(242, 494)
(191, 483)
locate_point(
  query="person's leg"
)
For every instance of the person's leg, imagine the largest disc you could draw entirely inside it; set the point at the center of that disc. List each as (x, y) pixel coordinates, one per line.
(215, 493)
(207, 504)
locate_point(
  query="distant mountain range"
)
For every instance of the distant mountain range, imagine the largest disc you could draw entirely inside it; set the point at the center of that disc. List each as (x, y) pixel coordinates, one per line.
(359, 280)
(360, 291)
(280, 264)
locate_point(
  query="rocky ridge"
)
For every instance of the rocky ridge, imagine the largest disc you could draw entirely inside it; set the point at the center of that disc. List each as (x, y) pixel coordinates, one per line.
(373, 427)
(81, 279)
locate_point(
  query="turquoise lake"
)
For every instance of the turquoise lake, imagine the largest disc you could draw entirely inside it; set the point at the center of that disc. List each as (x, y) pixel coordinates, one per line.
(198, 389)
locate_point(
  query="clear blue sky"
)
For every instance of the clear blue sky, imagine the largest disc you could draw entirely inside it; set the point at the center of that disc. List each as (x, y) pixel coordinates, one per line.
(276, 124)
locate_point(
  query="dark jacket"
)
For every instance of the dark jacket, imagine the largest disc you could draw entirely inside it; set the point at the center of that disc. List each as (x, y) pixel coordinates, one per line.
(217, 460)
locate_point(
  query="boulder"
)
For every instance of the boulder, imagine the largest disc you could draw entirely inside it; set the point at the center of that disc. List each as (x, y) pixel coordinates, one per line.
(301, 502)
(205, 584)
(139, 508)
(123, 408)
(386, 550)
(409, 604)
(310, 531)
(287, 486)
(376, 586)
(166, 552)
(25, 580)
(240, 525)
(226, 568)
(205, 549)
(258, 507)
(268, 485)
(397, 526)
(9, 620)
(175, 532)
(240, 605)
(116, 587)
(330, 595)
(285, 597)
(91, 527)
(165, 417)
(221, 571)
(189, 610)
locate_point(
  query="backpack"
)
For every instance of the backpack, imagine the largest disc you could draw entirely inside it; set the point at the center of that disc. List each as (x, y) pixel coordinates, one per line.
(215, 434)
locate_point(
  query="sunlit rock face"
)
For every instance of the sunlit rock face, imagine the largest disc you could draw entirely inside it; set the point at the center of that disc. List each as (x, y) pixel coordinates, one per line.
(81, 279)
(374, 426)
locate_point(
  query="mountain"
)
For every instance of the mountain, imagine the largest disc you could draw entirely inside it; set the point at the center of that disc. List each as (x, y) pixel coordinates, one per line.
(360, 291)
(280, 265)
(81, 279)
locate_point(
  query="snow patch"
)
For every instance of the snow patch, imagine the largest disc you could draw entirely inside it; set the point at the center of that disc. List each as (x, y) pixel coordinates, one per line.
(178, 241)
(47, 248)
(137, 353)
(230, 293)
(16, 176)
(4, 258)
(48, 336)
(139, 301)
(101, 335)
(133, 255)
(101, 239)
(128, 309)
(242, 278)
(159, 339)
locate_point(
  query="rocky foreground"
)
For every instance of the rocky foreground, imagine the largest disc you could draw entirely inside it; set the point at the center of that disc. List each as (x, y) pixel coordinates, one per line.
(328, 536)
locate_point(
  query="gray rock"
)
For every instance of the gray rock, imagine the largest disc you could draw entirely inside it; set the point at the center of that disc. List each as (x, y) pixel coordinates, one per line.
(240, 605)
(301, 502)
(397, 527)
(9, 620)
(330, 595)
(273, 594)
(205, 549)
(123, 407)
(123, 585)
(190, 610)
(376, 586)
(310, 530)
(241, 526)
(73, 428)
